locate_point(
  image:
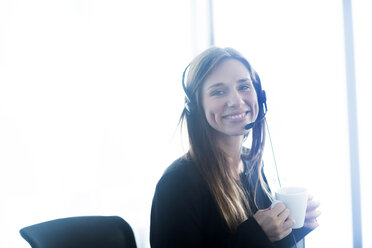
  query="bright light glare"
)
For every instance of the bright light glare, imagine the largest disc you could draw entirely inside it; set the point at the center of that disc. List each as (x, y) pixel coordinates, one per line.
(298, 50)
(90, 95)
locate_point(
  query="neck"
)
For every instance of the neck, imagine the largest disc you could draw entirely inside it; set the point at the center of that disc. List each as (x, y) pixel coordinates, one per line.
(232, 147)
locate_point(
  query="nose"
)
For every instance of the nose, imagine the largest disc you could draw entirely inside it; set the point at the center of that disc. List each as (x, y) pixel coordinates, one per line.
(235, 99)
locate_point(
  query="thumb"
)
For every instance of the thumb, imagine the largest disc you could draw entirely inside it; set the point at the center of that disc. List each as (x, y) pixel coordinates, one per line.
(274, 203)
(265, 209)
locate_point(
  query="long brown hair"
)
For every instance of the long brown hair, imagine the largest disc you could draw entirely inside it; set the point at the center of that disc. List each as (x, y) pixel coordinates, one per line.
(232, 201)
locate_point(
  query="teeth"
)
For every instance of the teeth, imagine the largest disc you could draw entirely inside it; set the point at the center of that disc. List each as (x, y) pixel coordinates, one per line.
(236, 116)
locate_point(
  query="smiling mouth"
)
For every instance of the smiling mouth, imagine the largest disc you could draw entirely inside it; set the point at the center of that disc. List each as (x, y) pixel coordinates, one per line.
(234, 117)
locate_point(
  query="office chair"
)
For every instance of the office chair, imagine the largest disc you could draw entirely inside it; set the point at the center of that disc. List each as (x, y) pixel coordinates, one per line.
(81, 232)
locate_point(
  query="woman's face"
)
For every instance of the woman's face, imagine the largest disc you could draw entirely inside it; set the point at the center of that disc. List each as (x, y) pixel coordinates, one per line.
(229, 98)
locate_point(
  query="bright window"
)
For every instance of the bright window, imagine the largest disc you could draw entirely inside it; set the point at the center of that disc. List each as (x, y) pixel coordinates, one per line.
(297, 47)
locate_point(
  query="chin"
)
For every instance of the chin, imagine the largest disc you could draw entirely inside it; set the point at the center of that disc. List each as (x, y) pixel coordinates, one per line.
(238, 132)
(231, 131)
(241, 133)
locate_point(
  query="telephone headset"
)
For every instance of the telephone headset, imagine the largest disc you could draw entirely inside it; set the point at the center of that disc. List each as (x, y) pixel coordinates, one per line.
(261, 98)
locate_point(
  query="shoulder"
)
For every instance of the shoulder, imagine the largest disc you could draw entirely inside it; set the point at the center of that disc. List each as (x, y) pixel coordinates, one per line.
(179, 206)
(181, 187)
(182, 167)
(183, 173)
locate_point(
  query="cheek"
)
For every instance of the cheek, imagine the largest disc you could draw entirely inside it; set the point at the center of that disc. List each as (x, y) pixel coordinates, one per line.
(210, 114)
(207, 110)
(217, 109)
(254, 100)
(253, 103)
(213, 112)
(256, 110)
(256, 107)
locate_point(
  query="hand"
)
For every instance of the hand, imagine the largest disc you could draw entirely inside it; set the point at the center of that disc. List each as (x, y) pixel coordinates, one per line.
(312, 213)
(275, 222)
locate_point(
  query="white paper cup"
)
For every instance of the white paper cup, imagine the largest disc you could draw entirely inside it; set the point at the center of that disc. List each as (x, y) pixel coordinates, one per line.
(295, 199)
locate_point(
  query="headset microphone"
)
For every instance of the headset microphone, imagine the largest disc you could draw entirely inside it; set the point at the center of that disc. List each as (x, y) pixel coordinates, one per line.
(250, 125)
(262, 103)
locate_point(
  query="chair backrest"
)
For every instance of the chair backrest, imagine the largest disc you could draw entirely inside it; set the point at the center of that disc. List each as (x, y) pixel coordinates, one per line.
(81, 232)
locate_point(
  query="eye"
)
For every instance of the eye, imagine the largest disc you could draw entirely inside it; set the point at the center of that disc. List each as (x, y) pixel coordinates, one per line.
(245, 87)
(217, 93)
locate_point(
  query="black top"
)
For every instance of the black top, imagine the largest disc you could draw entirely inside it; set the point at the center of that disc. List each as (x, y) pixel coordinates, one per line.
(184, 213)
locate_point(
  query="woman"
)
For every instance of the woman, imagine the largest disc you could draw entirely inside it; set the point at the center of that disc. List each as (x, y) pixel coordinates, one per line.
(216, 195)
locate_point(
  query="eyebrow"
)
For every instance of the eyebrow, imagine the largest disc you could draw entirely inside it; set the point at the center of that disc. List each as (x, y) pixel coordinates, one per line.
(240, 81)
(215, 85)
(243, 80)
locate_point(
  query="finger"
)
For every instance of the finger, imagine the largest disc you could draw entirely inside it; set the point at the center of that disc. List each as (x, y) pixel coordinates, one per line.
(310, 197)
(312, 205)
(264, 210)
(278, 208)
(311, 224)
(283, 216)
(312, 214)
(259, 214)
(286, 233)
(288, 223)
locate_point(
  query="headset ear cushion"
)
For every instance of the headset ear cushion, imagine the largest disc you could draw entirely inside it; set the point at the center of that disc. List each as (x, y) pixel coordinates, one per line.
(263, 100)
(263, 96)
(187, 98)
